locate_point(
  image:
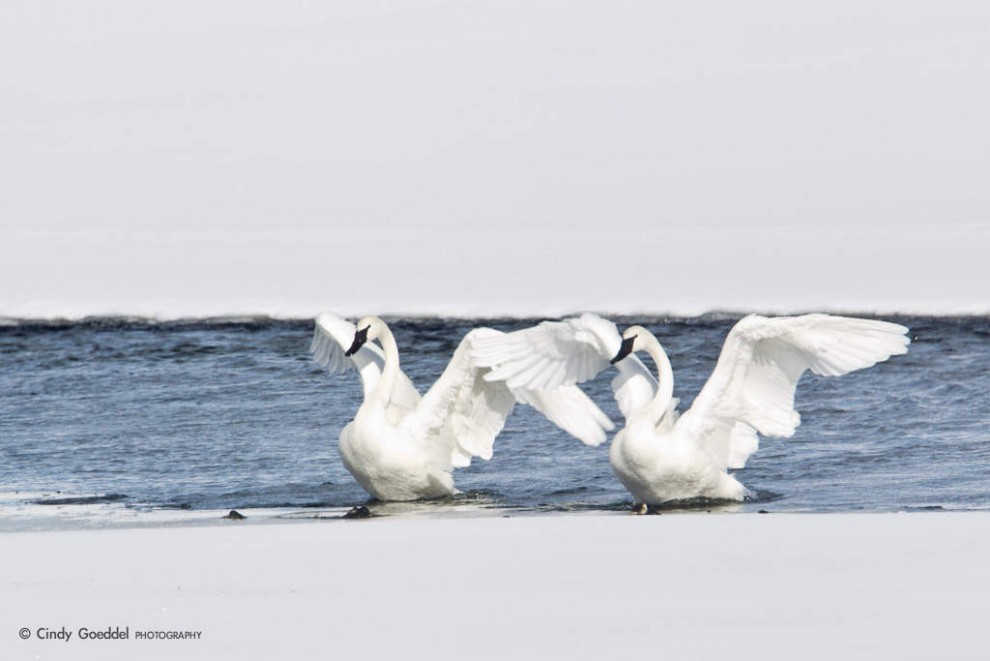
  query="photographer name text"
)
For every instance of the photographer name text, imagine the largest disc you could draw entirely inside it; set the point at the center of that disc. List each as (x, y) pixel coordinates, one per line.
(65, 634)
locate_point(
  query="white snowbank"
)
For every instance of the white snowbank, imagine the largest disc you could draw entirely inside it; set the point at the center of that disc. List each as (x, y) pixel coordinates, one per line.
(524, 158)
(892, 586)
(492, 273)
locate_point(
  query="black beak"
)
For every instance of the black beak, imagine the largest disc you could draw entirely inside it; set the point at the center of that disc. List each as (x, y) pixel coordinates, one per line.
(624, 350)
(360, 338)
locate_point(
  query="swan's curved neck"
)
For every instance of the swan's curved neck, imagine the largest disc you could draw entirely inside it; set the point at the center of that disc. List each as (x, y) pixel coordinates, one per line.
(665, 379)
(382, 392)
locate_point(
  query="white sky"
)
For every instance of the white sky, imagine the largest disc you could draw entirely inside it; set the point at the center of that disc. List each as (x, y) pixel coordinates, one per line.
(529, 157)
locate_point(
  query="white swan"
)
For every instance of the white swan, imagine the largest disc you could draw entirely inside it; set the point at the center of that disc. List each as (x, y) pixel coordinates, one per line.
(401, 446)
(661, 457)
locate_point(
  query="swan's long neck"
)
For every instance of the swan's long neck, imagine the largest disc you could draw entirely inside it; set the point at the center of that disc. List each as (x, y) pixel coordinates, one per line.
(665, 380)
(382, 392)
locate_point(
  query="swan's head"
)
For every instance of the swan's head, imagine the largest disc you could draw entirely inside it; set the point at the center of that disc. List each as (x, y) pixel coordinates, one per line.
(367, 329)
(632, 341)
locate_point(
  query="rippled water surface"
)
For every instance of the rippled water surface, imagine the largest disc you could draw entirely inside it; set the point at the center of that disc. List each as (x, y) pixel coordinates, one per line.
(234, 414)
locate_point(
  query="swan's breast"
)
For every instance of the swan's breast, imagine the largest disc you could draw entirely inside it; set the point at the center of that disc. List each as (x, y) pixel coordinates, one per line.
(657, 467)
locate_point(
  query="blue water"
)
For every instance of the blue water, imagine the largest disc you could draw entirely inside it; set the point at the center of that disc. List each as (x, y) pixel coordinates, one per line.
(207, 414)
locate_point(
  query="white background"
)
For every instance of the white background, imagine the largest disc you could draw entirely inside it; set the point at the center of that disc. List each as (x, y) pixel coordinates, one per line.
(200, 158)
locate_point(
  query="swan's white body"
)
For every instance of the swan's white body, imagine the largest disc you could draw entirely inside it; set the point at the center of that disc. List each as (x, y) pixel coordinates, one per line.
(661, 457)
(403, 446)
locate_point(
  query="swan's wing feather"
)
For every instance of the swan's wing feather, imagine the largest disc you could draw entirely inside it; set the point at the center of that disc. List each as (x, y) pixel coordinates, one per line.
(564, 353)
(468, 410)
(571, 409)
(463, 408)
(332, 336)
(550, 354)
(634, 386)
(751, 390)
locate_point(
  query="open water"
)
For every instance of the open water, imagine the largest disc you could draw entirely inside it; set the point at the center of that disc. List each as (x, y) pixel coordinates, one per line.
(133, 415)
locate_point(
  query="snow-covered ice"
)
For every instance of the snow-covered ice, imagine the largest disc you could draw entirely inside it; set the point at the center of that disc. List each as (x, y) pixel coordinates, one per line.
(697, 587)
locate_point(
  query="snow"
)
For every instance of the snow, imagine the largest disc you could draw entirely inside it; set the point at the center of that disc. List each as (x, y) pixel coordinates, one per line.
(492, 273)
(525, 158)
(696, 586)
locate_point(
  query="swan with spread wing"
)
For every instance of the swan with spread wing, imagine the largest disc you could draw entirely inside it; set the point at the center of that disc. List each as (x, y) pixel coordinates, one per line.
(404, 446)
(660, 456)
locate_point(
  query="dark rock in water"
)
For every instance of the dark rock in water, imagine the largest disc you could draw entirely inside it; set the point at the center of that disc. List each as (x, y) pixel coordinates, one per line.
(234, 515)
(358, 512)
(763, 512)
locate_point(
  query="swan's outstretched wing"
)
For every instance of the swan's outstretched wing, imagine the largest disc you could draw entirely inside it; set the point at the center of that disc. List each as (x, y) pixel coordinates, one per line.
(563, 353)
(752, 386)
(470, 411)
(331, 338)
(571, 410)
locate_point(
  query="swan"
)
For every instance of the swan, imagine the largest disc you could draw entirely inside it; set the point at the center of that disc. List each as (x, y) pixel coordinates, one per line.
(403, 446)
(660, 456)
